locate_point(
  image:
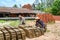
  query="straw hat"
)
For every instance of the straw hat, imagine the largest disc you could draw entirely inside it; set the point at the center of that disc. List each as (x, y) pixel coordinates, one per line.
(37, 18)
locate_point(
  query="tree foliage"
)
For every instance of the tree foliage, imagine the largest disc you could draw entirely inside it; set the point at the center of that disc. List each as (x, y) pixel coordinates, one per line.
(40, 7)
(15, 6)
(56, 8)
(48, 10)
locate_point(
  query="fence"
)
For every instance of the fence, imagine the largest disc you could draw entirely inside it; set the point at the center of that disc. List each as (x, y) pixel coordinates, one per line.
(57, 18)
(14, 18)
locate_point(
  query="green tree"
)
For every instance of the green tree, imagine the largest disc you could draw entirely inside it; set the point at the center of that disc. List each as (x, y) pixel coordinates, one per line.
(15, 6)
(48, 10)
(39, 7)
(56, 8)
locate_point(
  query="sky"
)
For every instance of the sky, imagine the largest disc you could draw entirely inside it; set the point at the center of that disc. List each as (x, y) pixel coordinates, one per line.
(10, 3)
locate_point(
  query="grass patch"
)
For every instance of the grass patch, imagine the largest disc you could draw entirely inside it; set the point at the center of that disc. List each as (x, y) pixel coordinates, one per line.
(2, 21)
(11, 22)
(14, 22)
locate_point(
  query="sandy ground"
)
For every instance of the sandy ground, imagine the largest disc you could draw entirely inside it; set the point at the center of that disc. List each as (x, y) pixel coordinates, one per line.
(53, 32)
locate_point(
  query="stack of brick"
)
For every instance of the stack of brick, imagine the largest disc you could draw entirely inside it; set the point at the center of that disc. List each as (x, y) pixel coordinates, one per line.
(5, 33)
(31, 32)
(46, 17)
(11, 33)
(19, 33)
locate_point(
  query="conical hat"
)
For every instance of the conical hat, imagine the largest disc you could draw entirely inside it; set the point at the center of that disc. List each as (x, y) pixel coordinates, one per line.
(37, 18)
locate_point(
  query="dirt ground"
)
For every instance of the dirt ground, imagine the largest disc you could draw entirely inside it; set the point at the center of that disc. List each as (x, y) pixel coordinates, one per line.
(53, 32)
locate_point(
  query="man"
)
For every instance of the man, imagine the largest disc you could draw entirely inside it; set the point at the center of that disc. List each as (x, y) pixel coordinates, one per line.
(40, 23)
(22, 20)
